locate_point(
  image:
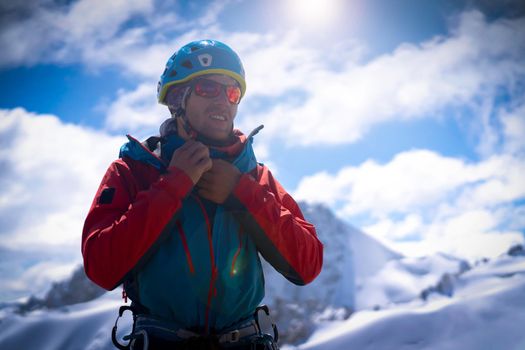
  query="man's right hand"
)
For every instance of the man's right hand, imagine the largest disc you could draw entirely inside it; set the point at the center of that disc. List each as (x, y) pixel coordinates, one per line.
(193, 158)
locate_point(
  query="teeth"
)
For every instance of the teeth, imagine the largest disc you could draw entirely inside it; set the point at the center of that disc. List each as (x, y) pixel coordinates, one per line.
(217, 117)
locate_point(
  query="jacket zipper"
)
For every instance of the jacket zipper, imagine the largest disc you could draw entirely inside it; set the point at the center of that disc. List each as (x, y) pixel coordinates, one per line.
(214, 272)
(185, 245)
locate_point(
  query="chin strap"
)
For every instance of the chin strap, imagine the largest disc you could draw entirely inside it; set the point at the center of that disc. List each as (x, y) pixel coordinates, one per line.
(180, 112)
(192, 133)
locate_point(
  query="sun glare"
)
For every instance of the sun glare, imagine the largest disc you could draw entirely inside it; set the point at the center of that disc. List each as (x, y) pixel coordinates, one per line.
(314, 14)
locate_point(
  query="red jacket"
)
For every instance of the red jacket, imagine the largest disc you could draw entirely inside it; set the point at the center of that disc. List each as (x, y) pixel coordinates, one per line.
(137, 200)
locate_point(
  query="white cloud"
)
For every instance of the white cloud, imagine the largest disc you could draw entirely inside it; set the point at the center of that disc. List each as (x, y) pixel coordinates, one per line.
(100, 19)
(414, 81)
(330, 96)
(46, 32)
(50, 174)
(476, 233)
(411, 180)
(137, 111)
(458, 206)
(514, 130)
(317, 95)
(387, 229)
(37, 278)
(51, 171)
(99, 33)
(338, 97)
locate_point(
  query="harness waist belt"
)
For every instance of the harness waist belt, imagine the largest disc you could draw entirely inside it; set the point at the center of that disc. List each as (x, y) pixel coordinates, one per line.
(172, 332)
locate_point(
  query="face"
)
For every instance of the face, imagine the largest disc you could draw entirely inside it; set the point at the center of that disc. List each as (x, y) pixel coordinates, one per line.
(212, 117)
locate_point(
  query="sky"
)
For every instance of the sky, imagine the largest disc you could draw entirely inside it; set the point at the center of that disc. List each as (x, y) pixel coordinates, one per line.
(406, 118)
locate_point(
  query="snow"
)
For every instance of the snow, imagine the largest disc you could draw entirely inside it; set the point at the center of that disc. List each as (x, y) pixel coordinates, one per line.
(404, 279)
(349, 256)
(487, 311)
(367, 297)
(82, 326)
(488, 314)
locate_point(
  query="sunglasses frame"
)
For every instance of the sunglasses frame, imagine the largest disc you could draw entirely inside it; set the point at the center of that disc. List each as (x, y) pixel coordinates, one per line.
(223, 87)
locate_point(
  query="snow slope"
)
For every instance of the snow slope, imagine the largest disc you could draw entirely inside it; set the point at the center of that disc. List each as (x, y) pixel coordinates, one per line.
(486, 311)
(404, 279)
(349, 255)
(82, 326)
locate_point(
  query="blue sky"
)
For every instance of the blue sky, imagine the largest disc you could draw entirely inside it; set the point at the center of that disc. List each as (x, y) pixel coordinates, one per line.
(407, 118)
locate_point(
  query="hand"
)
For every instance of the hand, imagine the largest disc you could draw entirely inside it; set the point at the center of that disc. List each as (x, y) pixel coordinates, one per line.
(193, 158)
(217, 183)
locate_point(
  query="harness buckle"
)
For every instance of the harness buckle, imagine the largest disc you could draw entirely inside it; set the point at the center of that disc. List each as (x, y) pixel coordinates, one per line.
(234, 336)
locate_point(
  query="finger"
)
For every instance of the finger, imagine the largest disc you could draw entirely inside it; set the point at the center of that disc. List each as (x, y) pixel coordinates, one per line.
(188, 148)
(202, 186)
(197, 147)
(219, 162)
(206, 177)
(205, 193)
(221, 166)
(205, 164)
(199, 154)
(187, 145)
(184, 151)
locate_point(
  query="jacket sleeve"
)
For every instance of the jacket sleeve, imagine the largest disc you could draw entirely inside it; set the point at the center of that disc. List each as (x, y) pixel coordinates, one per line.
(125, 221)
(275, 222)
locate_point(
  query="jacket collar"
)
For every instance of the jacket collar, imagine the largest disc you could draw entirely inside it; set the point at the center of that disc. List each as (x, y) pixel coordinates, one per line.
(157, 150)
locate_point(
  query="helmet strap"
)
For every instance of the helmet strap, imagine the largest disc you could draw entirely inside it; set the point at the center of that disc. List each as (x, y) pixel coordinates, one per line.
(190, 131)
(180, 112)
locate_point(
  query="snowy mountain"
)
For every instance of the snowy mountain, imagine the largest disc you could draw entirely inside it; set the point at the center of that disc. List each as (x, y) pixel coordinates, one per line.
(485, 311)
(405, 279)
(81, 326)
(349, 254)
(367, 297)
(358, 273)
(77, 289)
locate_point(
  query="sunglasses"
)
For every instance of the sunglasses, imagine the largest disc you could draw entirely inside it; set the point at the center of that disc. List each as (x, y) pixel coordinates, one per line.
(210, 88)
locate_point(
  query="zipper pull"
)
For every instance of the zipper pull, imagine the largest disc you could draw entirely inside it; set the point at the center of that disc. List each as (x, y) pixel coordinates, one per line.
(124, 296)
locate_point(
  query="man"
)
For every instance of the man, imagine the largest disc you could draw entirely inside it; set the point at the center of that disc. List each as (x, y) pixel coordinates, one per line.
(181, 219)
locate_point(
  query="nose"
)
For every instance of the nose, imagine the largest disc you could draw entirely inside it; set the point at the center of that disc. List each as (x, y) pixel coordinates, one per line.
(222, 96)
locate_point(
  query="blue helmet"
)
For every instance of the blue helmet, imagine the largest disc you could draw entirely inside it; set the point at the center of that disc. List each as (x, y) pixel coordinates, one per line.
(199, 58)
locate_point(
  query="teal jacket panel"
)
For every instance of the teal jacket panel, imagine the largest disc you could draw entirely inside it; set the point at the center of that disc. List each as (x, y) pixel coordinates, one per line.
(206, 274)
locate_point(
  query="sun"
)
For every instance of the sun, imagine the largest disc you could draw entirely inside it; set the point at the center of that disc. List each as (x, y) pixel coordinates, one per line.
(315, 14)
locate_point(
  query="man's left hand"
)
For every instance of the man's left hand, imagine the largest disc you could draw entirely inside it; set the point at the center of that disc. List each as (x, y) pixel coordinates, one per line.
(217, 183)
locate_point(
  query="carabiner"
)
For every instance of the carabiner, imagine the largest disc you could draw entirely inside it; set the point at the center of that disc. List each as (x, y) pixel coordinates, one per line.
(114, 339)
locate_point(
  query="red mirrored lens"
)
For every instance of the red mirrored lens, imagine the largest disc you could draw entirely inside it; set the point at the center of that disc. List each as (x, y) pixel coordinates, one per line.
(209, 88)
(234, 94)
